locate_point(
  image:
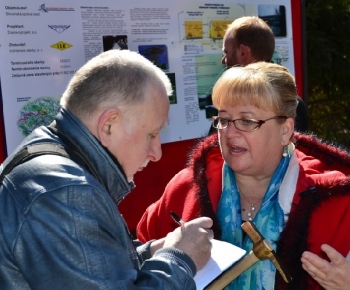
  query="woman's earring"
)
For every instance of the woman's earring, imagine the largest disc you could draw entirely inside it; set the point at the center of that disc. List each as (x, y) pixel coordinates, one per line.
(285, 151)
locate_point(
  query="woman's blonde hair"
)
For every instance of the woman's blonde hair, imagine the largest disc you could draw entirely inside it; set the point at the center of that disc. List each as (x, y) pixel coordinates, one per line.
(267, 86)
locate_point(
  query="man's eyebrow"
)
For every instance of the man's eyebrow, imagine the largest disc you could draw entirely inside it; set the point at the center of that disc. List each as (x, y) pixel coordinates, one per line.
(166, 124)
(161, 127)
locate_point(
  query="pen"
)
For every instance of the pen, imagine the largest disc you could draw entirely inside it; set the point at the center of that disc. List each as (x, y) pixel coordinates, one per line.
(176, 218)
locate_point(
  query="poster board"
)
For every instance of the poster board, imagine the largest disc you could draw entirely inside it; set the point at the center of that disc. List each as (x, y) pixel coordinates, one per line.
(43, 44)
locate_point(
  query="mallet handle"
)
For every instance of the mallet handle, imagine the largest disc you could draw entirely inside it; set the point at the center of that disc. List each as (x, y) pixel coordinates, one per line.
(233, 272)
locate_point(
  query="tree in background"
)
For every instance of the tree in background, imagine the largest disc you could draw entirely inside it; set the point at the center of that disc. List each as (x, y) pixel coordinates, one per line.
(328, 69)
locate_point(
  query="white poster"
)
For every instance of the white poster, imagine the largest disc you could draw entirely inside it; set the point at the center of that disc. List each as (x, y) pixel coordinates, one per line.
(43, 44)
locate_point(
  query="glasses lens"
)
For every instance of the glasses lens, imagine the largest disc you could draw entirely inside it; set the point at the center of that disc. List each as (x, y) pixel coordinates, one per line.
(246, 125)
(222, 123)
(215, 122)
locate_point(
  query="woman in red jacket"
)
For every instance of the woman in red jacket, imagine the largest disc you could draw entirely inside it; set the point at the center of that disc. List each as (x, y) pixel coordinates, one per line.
(294, 188)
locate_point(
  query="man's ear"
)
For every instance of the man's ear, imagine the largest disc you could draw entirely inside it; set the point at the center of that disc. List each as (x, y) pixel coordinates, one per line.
(245, 53)
(287, 131)
(106, 120)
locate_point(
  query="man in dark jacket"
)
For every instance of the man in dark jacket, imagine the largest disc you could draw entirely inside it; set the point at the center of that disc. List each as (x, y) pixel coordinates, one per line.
(60, 227)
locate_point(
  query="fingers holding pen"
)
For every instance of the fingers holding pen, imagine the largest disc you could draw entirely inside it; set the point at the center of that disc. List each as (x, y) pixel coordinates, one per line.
(193, 238)
(205, 223)
(210, 233)
(203, 226)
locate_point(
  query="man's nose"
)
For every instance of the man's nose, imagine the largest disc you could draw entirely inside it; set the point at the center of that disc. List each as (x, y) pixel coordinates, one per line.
(223, 60)
(156, 150)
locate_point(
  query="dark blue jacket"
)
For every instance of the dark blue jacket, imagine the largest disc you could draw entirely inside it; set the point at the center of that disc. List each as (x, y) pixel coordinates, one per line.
(60, 228)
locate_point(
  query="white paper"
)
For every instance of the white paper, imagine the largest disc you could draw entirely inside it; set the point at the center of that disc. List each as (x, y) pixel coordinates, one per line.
(223, 255)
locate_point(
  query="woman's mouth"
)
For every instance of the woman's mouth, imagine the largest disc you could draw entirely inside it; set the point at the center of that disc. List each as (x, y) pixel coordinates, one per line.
(237, 149)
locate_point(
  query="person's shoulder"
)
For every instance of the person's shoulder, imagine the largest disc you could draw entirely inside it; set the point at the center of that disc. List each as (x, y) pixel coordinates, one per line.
(181, 182)
(321, 158)
(204, 147)
(311, 143)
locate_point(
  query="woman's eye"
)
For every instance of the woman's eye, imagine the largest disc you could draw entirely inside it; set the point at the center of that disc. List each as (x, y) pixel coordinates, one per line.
(247, 122)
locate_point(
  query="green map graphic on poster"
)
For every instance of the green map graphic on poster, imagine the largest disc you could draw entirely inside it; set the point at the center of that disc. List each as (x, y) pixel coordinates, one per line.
(40, 112)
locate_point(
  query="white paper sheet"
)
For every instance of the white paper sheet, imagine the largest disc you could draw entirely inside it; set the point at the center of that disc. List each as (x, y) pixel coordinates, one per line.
(223, 255)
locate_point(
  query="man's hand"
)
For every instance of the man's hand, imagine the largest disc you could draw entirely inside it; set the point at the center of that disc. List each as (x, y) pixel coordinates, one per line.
(156, 245)
(193, 238)
(333, 275)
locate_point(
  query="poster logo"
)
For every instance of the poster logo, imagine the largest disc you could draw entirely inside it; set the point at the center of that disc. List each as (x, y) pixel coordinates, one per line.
(43, 8)
(61, 45)
(59, 28)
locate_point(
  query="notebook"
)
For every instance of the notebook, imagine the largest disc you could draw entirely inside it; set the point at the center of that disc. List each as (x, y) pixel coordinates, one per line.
(223, 255)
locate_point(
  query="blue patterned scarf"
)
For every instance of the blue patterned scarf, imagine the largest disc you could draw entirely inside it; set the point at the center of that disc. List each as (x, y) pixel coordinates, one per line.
(269, 220)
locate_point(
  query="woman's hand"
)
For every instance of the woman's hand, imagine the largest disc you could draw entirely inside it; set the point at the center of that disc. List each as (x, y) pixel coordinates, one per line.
(333, 275)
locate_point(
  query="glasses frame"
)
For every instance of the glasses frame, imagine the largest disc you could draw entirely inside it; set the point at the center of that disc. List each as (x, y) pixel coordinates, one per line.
(258, 123)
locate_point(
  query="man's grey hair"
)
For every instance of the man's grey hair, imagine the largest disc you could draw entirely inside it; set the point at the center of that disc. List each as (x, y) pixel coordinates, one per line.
(111, 79)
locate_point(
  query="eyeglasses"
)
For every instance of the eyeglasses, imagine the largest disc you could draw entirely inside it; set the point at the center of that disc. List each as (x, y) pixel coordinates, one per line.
(245, 125)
